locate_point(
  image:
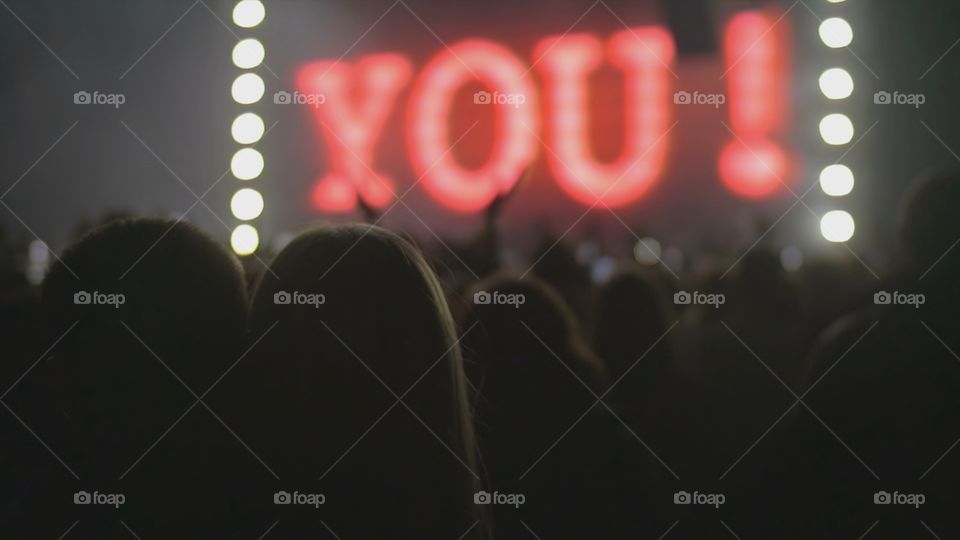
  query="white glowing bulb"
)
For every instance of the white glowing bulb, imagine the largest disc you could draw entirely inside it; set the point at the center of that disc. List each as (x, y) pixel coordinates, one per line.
(247, 88)
(836, 180)
(246, 204)
(836, 129)
(836, 83)
(247, 128)
(248, 13)
(837, 226)
(244, 240)
(836, 32)
(246, 164)
(248, 53)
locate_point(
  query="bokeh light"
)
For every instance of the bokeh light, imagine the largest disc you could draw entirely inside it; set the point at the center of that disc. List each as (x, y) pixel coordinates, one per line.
(836, 32)
(647, 251)
(248, 53)
(836, 83)
(244, 240)
(837, 226)
(247, 88)
(248, 13)
(836, 180)
(247, 128)
(246, 164)
(791, 258)
(836, 129)
(246, 204)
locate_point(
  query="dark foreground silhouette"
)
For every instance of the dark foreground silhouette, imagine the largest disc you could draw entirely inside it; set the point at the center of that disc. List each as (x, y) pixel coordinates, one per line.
(145, 396)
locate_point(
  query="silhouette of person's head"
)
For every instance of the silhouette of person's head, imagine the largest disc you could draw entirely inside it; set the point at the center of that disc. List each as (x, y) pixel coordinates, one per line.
(556, 265)
(630, 319)
(132, 307)
(367, 392)
(520, 323)
(899, 356)
(525, 353)
(761, 294)
(931, 226)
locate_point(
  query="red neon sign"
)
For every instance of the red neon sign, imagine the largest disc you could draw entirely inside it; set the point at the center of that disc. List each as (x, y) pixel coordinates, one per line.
(361, 97)
(515, 142)
(752, 165)
(565, 63)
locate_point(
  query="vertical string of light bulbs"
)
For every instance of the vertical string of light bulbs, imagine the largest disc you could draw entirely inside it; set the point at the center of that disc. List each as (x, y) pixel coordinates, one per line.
(247, 128)
(836, 129)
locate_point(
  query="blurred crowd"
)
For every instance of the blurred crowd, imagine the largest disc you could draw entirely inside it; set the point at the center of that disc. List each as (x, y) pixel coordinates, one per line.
(357, 385)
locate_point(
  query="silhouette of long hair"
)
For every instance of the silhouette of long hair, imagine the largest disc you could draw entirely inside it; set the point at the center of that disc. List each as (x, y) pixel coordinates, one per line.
(180, 304)
(144, 307)
(929, 228)
(533, 375)
(361, 364)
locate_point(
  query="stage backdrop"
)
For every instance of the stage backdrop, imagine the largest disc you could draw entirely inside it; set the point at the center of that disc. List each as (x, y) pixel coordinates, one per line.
(623, 86)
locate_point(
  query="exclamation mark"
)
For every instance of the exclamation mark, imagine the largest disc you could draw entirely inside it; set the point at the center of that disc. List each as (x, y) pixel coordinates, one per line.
(752, 164)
